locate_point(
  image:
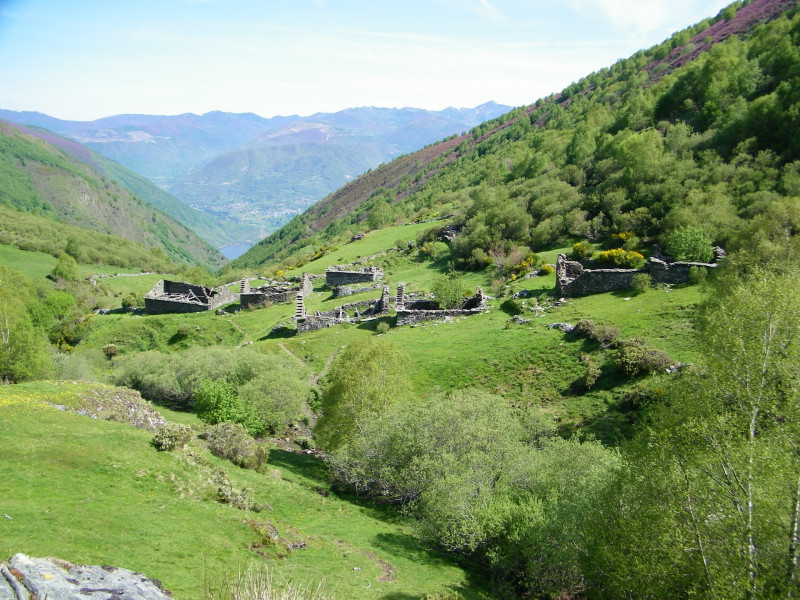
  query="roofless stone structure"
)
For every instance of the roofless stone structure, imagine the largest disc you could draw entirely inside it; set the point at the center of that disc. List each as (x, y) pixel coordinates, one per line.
(182, 297)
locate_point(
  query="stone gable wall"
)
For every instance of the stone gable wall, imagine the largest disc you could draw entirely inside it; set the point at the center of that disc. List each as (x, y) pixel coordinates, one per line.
(174, 297)
(573, 279)
(336, 277)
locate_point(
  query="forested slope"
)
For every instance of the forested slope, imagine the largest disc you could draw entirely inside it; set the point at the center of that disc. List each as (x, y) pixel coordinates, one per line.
(695, 131)
(38, 178)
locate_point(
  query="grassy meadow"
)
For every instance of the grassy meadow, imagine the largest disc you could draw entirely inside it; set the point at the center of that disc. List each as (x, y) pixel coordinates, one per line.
(98, 492)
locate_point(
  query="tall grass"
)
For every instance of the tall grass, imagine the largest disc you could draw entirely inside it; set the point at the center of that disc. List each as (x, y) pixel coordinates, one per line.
(259, 583)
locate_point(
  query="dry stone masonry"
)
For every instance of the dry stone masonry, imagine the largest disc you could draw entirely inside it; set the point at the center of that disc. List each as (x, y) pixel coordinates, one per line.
(182, 297)
(275, 291)
(336, 276)
(573, 279)
(414, 311)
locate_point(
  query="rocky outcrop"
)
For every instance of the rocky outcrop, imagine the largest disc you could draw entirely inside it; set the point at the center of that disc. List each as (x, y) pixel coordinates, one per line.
(26, 578)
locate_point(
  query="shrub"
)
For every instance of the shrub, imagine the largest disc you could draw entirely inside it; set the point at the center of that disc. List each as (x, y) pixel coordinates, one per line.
(582, 250)
(621, 258)
(172, 435)
(546, 269)
(641, 282)
(605, 335)
(584, 328)
(238, 498)
(110, 350)
(635, 356)
(232, 442)
(448, 290)
(697, 274)
(133, 300)
(66, 268)
(512, 307)
(591, 374)
(272, 401)
(382, 327)
(216, 401)
(689, 243)
(479, 260)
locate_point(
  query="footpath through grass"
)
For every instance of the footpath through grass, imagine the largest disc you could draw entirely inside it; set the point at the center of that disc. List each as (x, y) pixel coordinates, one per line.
(97, 492)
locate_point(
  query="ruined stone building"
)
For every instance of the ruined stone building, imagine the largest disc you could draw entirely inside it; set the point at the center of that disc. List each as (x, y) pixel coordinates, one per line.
(346, 313)
(414, 311)
(335, 276)
(573, 279)
(182, 297)
(273, 291)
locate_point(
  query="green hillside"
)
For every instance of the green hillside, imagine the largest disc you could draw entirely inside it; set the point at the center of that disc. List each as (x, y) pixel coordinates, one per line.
(215, 232)
(694, 132)
(41, 179)
(636, 443)
(262, 187)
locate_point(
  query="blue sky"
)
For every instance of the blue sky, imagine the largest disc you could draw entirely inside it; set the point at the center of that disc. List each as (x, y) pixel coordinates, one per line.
(86, 59)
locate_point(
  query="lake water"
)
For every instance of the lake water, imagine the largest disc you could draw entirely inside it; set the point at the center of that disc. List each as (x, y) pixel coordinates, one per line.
(235, 250)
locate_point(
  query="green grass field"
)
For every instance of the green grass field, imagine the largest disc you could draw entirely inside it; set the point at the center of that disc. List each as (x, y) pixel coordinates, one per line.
(96, 492)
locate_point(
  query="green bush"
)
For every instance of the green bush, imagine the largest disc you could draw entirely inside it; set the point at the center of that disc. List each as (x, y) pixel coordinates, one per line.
(133, 300)
(689, 243)
(591, 374)
(176, 378)
(66, 268)
(216, 401)
(582, 250)
(232, 442)
(635, 356)
(448, 290)
(697, 274)
(272, 401)
(512, 306)
(641, 282)
(226, 493)
(171, 436)
(585, 328)
(605, 335)
(382, 327)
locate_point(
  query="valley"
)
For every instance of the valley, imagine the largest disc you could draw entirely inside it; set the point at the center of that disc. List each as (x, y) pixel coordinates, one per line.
(552, 355)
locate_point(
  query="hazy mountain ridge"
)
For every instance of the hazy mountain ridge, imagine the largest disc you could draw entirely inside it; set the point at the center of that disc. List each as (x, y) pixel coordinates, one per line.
(182, 153)
(66, 185)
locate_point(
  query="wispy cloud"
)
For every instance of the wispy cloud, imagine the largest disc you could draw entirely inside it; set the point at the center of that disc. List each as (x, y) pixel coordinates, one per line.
(483, 8)
(642, 16)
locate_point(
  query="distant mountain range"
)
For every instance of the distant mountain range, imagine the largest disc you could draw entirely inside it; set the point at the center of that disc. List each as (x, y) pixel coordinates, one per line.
(252, 174)
(47, 176)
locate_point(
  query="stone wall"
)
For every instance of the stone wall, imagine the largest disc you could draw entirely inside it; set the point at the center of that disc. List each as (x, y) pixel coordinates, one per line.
(182, 297)
(573, 279)
(340, 291)
(337, 276)
(275, 291)
(414, 311)
(407, 317)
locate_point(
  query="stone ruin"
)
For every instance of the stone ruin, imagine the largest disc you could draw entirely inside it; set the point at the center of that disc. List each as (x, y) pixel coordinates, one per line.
(346, 313)
(573, 279)
(336, 276)
(414, 311)
(182, 297)
(273, 291)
